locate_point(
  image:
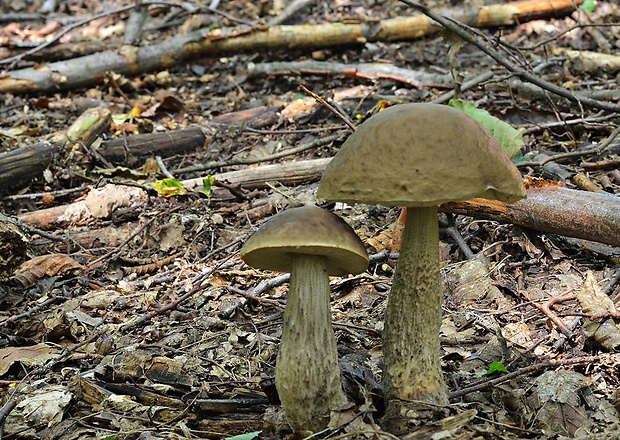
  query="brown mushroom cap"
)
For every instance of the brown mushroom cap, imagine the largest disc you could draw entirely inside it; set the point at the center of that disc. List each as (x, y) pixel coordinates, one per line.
(420, 155)
(306, 230)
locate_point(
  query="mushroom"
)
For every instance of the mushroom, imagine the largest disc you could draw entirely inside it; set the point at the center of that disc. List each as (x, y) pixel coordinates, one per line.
(418, 156)
(310, 243)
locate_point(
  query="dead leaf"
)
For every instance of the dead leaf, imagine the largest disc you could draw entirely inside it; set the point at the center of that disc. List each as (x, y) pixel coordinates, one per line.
(594, 301)
(49, 265)
(43, 406)
(557, 402)
(473, 286)
(31, 356)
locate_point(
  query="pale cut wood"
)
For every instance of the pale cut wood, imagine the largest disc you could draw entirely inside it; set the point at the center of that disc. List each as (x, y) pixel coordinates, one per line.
(98, 204)
(132, 60)
(292, 173)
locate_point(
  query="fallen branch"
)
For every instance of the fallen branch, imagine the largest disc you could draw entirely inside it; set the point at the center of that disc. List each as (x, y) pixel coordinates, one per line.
(293, 173)
(20, 167)
(366, 71)
(549, 208)
(553, 209)
(486, 383)
(132, 60)
(101, 203)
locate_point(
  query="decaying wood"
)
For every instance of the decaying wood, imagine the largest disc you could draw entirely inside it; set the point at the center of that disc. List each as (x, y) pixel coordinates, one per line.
(99, 203)
(553, 209)
(149, 144)
(131, 60)
(20, 167)
(23, 165)
(585, 61)
(109, 236)
(256, 117)
(374, 71)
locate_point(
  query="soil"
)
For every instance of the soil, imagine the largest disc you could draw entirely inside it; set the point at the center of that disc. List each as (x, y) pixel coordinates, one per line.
(142, 321)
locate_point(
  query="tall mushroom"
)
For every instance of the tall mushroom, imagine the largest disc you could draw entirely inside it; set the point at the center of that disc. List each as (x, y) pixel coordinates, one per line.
(310, 243)
(418, 156)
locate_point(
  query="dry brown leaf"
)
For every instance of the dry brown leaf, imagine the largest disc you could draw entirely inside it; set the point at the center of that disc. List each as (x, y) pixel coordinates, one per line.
(32, 356)
(49, 265)
(594, 301)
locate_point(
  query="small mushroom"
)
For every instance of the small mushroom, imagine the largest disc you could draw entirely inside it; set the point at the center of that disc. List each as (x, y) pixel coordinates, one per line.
(418, 156)
(311, 244)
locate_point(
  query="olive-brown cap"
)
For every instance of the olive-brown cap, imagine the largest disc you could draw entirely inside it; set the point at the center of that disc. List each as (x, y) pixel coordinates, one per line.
(420, 155)
(306, 230)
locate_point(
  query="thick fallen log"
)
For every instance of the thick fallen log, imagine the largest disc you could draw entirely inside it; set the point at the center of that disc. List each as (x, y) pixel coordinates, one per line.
(132, 60)
(553, 209)
(18, 168)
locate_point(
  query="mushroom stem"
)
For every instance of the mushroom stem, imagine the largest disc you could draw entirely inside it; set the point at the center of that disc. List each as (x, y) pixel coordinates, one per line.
(413, 317)
(307, 374)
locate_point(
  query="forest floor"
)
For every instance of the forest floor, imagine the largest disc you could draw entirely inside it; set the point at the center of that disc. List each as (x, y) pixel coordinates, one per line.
(136, 317)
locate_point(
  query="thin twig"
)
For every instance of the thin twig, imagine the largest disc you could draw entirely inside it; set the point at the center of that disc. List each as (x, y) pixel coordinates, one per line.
(467, 85)
(258, 299)
(33, 310)
(298, 131)
(546, 309)
(30, 196)
(597, 150)
(328, 106)
(163, 168)
(15, 59)
(468, 34)
(488, 383)
(181, 299)
(117, 249)
(4, 413)
(251, 161)
(270, 283)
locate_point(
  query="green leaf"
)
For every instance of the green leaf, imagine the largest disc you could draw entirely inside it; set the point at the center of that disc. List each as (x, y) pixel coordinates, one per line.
(588, 6)
(207, 183)
(169, 187)
(495, 367)
(509, 138)
(248, 436)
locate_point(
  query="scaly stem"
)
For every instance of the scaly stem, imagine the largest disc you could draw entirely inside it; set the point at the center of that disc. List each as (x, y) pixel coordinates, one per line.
(307, 374)
(413, 317)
